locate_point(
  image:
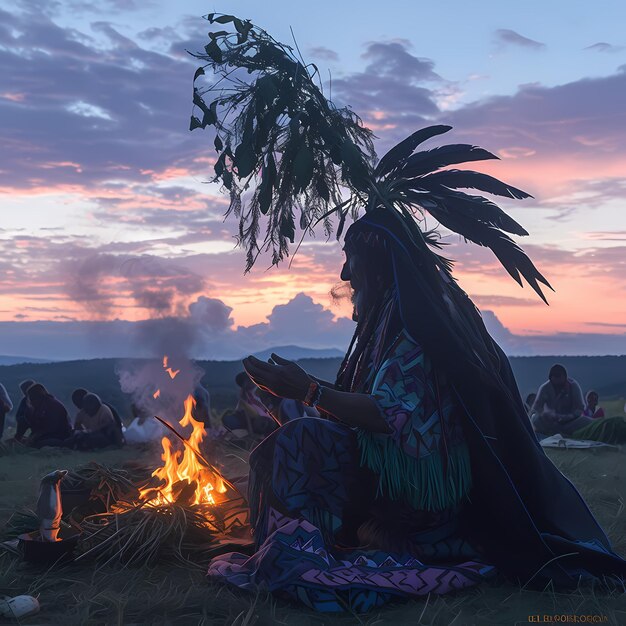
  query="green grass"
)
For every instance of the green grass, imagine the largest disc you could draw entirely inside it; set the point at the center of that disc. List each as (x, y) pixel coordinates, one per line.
(172, 594)
(614, 407)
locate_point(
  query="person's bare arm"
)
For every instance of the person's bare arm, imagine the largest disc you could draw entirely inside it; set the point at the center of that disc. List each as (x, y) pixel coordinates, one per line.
(78, 422)
(287, 379)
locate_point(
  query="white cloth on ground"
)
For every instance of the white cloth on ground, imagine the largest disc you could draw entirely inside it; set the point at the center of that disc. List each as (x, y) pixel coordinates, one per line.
(558, 441)
(144, 430)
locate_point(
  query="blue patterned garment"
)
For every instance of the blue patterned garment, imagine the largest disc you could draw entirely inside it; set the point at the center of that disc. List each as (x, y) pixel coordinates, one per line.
(348, 520)
(425, 460)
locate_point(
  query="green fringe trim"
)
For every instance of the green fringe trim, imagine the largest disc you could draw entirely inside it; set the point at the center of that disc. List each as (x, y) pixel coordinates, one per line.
(419, 482)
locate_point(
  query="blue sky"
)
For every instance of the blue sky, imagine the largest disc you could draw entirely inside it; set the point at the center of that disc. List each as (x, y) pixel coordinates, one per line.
(462, 37)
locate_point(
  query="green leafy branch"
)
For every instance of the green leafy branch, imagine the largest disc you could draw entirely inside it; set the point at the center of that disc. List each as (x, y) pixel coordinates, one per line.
(277, 136)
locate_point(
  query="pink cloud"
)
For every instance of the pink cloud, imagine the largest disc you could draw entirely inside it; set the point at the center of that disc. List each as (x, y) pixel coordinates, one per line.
(13, 97)
(554, 142)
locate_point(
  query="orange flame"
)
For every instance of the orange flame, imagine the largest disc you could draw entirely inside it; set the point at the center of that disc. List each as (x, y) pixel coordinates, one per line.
(184, 477)
(173, 373)
(156, 394)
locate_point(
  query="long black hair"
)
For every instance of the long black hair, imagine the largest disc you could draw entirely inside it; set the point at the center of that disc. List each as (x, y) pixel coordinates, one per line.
(374, 264)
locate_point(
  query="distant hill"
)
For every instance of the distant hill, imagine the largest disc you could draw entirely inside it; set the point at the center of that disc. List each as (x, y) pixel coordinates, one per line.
(606, 374)
(6, 359)
(295, 353)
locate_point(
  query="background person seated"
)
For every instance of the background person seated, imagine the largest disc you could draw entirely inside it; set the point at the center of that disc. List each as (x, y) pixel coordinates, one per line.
(558, 409)
(611, 430)
(558, 406)
(78, 396)
(250, 413)
(24, 409)
(5, 406)
(528, 403)
(592, 409)
(48, 420)
(95, 426)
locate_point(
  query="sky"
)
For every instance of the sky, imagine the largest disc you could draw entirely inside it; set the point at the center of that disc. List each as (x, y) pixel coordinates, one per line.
(112, 240)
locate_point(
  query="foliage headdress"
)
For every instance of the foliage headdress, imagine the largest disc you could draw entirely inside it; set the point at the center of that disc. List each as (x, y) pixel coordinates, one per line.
(284, 144)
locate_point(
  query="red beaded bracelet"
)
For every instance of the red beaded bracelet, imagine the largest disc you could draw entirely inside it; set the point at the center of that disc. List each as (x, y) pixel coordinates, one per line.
(311, 393)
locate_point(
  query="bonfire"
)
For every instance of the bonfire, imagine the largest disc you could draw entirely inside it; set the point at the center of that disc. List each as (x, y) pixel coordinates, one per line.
(185, 476)
(186, 507)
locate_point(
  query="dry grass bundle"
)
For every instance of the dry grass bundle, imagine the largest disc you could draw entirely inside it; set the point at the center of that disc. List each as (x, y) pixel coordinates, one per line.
(134, 534)
(107, 484)
(21, 521)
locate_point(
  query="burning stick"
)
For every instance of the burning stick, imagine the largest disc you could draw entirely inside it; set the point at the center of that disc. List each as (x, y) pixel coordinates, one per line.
(198, 454)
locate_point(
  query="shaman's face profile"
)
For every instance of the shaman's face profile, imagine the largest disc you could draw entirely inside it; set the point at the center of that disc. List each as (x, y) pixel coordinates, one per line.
(353, 273)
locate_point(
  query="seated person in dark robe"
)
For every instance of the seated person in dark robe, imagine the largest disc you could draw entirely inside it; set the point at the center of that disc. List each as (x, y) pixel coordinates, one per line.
(250, 413)
(414, 481)
(5, 407)
(78, 396)
(48, 421)
(423, 475)
(95, 425)
(24, 409)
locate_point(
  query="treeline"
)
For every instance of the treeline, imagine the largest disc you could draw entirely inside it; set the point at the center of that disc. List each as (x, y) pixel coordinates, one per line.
(607, 375)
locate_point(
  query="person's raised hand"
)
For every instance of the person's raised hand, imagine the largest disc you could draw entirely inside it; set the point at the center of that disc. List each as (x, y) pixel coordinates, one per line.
(279, 376)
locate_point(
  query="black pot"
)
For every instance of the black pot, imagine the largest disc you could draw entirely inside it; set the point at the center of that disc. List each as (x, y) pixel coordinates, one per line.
(34, 550)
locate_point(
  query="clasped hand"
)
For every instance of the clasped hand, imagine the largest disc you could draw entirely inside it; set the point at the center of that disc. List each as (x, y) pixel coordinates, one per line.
(279, 376)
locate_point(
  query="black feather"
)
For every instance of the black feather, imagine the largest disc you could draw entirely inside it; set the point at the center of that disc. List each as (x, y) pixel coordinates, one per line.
(465, 179)
(452, 154)
(400, 152)
(476, 207)
(510, 255)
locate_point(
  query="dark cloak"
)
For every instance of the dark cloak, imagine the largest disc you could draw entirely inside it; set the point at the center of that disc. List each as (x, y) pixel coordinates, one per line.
(527, 517)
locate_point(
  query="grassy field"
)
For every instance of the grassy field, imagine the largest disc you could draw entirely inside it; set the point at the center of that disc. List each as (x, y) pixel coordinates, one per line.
(172, 594)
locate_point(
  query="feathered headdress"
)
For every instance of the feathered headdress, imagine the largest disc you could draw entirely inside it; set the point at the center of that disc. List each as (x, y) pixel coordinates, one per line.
(284, 144)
